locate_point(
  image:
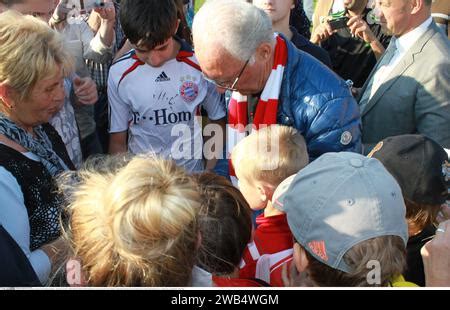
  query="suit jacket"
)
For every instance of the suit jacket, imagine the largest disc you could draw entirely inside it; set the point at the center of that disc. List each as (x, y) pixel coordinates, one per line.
(416, 95)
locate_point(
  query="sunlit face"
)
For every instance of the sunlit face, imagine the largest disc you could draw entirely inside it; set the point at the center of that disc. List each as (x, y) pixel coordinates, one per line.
(229, 84)
(42, 9)
(276, 9)
(394, 16)
(44, 101)
(157, 56)
(218, 65)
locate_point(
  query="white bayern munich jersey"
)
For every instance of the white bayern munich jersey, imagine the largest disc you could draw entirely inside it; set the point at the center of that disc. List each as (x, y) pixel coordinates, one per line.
(160, 107)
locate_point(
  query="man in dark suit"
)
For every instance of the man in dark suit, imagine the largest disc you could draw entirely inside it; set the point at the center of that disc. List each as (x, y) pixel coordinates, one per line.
(409, 89)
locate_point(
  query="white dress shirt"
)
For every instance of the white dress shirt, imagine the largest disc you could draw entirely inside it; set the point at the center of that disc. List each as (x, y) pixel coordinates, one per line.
(403, 44)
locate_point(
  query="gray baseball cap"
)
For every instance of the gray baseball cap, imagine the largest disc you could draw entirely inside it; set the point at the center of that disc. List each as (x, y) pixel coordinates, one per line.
(338, 201)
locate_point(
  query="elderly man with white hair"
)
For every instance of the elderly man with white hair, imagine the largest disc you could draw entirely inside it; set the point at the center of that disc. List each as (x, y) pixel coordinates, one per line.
(272, 81)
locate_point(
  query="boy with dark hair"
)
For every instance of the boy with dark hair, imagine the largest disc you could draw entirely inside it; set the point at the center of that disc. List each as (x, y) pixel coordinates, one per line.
(156, 90)
(417, 163)
(149, 23)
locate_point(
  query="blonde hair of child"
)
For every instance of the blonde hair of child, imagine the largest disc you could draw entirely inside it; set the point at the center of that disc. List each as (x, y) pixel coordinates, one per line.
(270, 154)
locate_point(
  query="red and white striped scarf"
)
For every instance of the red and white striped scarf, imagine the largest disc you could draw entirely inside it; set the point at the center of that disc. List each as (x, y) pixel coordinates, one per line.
(267, 107)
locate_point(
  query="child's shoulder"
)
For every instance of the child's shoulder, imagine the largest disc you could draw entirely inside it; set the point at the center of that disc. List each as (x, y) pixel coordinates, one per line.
(124, 59)
(123, 66)
(187, 55)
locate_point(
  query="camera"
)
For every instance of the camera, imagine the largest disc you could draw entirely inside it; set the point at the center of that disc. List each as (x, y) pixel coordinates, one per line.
(84, 6)
(338, 22)
(89, 5)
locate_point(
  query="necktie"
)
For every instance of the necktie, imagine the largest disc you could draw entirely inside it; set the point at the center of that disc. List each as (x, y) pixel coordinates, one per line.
(378, 78)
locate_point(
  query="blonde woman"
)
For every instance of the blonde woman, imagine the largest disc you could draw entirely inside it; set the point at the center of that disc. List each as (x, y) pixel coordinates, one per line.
(135, 225)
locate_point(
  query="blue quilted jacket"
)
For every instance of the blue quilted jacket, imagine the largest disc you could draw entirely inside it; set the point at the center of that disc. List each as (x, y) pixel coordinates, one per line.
(318, 103)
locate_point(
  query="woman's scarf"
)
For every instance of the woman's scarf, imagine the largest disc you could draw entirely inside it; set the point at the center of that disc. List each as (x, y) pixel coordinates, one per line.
(40, 145)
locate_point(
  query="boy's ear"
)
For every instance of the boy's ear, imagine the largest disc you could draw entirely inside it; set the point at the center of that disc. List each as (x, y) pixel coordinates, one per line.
(265, 191)
(261, 192)
(300, 260)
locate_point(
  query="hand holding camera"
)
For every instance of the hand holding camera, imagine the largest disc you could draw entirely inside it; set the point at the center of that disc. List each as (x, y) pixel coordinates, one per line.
(359, 28)
(329, 25)
(338, 22)
(96, 5)
(106, 11)
(322, 32)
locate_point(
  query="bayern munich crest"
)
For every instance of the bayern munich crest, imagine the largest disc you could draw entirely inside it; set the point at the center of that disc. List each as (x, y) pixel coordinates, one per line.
(189, 90)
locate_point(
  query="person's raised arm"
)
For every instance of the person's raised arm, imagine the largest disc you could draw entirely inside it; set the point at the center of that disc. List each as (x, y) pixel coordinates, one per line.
(359, 28)
(107, 17)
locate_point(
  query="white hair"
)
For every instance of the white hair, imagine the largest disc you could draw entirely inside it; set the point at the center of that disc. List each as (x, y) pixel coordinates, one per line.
(237, 26)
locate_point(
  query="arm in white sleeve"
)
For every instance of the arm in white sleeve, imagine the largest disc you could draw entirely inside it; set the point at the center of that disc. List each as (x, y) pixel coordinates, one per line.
(119, 109)
(93, 46)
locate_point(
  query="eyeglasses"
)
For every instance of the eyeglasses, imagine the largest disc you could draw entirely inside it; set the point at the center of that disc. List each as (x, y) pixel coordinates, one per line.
(227, 85)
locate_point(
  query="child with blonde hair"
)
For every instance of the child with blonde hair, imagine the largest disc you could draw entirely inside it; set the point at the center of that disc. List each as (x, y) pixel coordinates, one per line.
(135, 225)
(262, 161)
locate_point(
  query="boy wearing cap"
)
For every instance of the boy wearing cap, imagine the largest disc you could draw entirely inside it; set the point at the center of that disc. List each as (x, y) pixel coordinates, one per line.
(261, 161)
(418, 164)
(156, 91)
(346, 213)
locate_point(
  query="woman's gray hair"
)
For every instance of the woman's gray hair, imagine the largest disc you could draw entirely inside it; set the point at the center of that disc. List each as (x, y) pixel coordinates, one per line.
(237, 26)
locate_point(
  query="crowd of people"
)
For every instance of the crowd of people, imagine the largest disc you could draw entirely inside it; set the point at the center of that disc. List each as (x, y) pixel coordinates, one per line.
(255, 143)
